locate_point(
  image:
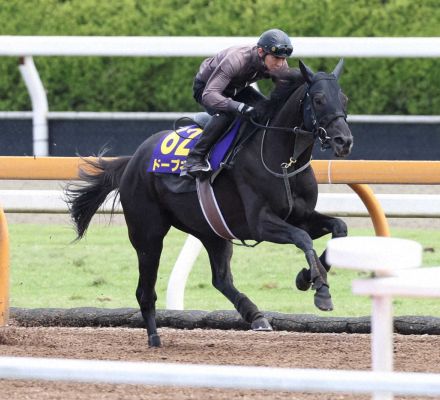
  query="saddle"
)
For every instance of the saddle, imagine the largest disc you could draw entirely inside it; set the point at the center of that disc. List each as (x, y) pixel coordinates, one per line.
(170, 155)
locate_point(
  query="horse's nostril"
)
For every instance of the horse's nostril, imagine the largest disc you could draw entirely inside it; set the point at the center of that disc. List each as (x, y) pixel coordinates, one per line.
(339, 140)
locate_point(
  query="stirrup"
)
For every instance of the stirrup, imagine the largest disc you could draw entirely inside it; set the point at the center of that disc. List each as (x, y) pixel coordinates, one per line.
(184, 174)
(199, 167)
(196, 170)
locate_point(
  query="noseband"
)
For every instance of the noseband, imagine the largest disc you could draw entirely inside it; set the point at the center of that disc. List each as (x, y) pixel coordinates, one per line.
(319, 125)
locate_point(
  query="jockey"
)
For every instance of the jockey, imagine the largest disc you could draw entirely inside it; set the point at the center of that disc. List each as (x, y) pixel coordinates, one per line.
(222, 87)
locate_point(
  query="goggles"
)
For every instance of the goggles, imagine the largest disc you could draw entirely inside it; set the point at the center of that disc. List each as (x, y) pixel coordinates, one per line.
(280, 50)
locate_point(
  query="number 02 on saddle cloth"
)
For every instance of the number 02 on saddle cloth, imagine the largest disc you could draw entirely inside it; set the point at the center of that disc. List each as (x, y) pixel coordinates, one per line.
(172, 149)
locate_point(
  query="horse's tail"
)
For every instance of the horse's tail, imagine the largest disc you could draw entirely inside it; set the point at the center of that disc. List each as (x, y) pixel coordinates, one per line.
(100, 177)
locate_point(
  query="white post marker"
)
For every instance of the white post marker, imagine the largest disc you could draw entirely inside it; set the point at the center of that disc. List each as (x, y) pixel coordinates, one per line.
(384, 257)
(179, 275)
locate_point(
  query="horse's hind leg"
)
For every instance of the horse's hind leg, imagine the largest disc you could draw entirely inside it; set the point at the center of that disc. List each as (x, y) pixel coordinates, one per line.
(146, 230)
(145, 293)
(220, 253)
(317, 226)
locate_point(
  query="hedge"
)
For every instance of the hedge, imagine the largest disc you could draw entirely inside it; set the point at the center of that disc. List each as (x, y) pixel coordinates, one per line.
(375, 86)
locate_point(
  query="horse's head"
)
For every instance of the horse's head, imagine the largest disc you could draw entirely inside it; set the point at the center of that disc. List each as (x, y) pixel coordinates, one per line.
(325, 109)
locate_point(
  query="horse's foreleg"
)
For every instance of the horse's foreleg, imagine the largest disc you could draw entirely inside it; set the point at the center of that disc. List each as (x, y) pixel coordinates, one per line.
(317, 226)
(320, 225)
(220, 253)
(265, 225)
(269, 227)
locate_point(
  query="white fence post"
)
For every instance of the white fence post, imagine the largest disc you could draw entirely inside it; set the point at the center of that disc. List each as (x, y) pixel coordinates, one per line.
(384, 256)
(39, 105)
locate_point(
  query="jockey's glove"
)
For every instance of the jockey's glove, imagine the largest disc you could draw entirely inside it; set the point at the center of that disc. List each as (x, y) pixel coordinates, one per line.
(247, 111)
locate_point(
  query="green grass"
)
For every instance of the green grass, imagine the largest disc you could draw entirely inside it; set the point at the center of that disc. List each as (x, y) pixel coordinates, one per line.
(47, 270)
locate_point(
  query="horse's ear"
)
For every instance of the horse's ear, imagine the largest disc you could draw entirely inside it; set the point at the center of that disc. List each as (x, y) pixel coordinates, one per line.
(307, 73)
(338, 69)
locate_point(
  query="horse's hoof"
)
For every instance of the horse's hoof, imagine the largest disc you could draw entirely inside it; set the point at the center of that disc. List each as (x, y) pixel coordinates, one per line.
(261, 324)
(154, 340)
(323, 299)
(303, 280)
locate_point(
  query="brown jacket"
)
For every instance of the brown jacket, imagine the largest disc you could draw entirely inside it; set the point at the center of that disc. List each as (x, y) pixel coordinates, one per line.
(227, 73)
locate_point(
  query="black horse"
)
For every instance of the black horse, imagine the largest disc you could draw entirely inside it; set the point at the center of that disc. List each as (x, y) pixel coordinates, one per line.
(269, 194)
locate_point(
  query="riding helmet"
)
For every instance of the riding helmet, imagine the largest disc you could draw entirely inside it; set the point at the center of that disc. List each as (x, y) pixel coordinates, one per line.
(276, 42)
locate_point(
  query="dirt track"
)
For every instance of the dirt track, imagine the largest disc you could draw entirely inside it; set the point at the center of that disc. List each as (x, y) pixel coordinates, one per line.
(279, 349)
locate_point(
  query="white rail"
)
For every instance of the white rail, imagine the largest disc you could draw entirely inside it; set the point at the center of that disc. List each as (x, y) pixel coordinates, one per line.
(173, 115)
(191, 46)
(227, 376)
(196, 46)
(337, 204)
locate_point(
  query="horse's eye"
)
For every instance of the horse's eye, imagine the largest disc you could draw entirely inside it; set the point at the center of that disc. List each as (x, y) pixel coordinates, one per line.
(319, 100)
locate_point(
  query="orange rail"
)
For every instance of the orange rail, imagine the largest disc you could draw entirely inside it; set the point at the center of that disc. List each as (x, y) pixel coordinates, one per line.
(44, 168)
(356, 173)
(380, 172)
(326, 171)
(353, 173)
(374, 208)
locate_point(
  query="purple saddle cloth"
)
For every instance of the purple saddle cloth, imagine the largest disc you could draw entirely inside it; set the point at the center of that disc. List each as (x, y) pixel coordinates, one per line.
(171, 151)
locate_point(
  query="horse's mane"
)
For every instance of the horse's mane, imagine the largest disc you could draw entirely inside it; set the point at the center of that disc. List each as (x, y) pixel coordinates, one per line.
(286, 83)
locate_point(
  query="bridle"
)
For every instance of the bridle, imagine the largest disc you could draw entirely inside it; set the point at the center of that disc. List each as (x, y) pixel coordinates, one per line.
(313, 127)
(312, 124)
(319, 125)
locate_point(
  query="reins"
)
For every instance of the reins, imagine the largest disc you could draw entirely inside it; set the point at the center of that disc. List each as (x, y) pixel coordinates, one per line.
(307, 139)
(284, 166)
(303, 140)
(292, 160)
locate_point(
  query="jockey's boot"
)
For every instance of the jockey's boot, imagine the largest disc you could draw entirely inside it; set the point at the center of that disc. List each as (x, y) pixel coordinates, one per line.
(197, 163)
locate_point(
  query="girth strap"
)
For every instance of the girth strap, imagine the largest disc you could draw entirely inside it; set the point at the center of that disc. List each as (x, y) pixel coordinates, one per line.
(211, 210)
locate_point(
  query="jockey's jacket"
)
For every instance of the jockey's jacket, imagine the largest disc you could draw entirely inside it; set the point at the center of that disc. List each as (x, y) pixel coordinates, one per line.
(227, 73)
